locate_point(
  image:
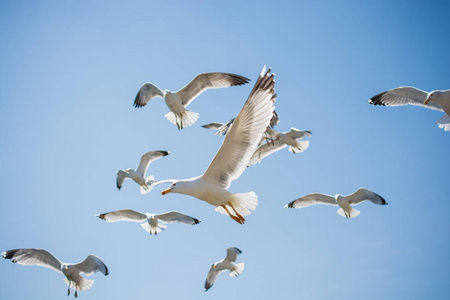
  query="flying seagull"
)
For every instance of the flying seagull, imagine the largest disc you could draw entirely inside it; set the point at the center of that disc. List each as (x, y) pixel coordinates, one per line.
(436, 100)
(138, 176)
(285, 139)
(229, 263)
(152, 221)
(178, 101)
(43, 258)
(344, 202)
(234, 154)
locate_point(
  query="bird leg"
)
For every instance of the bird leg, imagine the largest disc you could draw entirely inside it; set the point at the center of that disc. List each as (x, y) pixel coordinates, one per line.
(176, 121)
(76, 288)
(68, 290)
(181, 121)
(237, 214)
(233, 217)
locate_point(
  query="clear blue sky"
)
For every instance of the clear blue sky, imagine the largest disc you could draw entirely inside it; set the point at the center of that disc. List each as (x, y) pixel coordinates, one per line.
(69, 72)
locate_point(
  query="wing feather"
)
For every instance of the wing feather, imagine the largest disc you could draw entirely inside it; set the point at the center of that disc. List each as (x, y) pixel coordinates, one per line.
(147, 92)
(265, 150)
(174, 216)
(364, 194)
(91, 265)
(147, 158)
(212, 277)
(232, 254)
(32, 256)
(242, 138)
(312, 199)
(123, 215)
(121, 176)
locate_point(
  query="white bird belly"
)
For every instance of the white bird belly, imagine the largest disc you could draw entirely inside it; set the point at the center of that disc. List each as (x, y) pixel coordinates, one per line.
(174, 104)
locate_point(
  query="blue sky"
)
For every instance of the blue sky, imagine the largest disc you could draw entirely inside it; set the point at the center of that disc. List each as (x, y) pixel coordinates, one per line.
(69, 72)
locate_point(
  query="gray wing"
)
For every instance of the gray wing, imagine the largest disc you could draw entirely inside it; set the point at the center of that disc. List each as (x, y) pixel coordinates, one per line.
(265, 150)
(147, 158)
(205, 81)
(312, 199)
(212, 277)
(232, 254)
(121, 176)
(123, 215)
(275, 119)
(174, 216)
(298, 134)
(242, 138)
(213, 125)
(91, 265)
(222, 128)
(32, 256)
(403, 96)
(147, 92)
(364, 194)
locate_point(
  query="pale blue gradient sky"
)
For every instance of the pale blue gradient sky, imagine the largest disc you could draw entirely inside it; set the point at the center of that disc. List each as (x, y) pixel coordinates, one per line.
(69, 72)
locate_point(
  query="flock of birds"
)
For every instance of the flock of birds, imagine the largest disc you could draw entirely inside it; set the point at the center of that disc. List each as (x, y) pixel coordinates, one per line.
(249, 138)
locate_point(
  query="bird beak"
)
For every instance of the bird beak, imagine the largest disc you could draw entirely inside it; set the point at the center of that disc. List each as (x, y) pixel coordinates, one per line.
(166, 191)
(426, 101)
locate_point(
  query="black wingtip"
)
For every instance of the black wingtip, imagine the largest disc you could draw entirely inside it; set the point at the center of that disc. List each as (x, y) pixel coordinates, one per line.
(164, 152)
(383, 202)
(9, 255)
(102, 217)
(377, 99)
(106, 270)
(196, 221)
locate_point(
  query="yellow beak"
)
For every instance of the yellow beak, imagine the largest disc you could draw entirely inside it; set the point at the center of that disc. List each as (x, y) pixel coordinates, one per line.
(426, 101)
(166, 191)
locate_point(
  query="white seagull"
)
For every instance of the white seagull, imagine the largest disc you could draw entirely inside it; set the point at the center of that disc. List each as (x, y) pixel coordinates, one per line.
(152, 221)
(43, 258)
(284, 139)
(343, 201)
(178, 101)
(229, 263)
(436, 100)
(234, 154)
(138, 176)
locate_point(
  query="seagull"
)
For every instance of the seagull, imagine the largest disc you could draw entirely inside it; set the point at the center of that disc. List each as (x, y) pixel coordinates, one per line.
(138, 176)
(436, 100)
(152, 221)
(229, 263)
(178, 101)
(284, 139)
(344, 202)
(43, 258)
(234, 154)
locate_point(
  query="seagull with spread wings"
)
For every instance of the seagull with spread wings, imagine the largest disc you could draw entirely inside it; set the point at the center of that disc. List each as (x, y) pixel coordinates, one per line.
(233, 156)
(138, 176)
(152, 221)
(43, 258)
(229, 263)
(284, 139)
(436, 100)
(344, 202)
(178, 101)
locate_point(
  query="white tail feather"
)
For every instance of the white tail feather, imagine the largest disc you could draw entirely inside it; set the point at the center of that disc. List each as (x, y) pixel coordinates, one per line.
(444, 123)
(188, 118)
(238, 269)
(301, 146)
(242, 203)
(153, 229)
(349, 214)
(82, 285)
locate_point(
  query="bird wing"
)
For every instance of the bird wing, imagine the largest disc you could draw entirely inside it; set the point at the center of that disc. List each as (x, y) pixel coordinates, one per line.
(265, 150)
(213, 125)
(402, 96)
(147, 158)
(232, 254)
(91, 265)
(364, 194)
(298, 134)
(147, 92)
(243, 137)
(32, 256)
(121, 176)
(123, 215)
(275, 119)
(312, 199)
(205, 81)
(174, 216)
(212, 277)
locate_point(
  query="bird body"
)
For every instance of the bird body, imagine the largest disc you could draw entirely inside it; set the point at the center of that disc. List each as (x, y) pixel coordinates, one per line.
(229, 263)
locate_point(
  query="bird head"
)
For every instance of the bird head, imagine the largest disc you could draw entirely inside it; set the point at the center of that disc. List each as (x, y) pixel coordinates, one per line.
(431, 97)
(172, 187)
(167, 92)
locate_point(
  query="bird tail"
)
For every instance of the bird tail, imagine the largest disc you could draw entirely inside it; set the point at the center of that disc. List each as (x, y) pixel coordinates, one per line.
(241, 203)
(186, 119)
(351, 213)
(82, 284)
(149, 184)
(444, 123)
(301, 146)
(238, 269)
(153, 229)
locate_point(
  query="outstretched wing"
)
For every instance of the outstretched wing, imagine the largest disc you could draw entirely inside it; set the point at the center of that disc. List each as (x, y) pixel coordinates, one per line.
(243, 136)
(205, 81)
(403, 96)
(174, 216)
(147, 158)
(312, 199)
(298, 134)
(265, 150)
(32, 256)
(212, 277)
(123, 215)
(91, 265)
(232, 254)
(121, 176)
(364, 194)
(147, 92)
